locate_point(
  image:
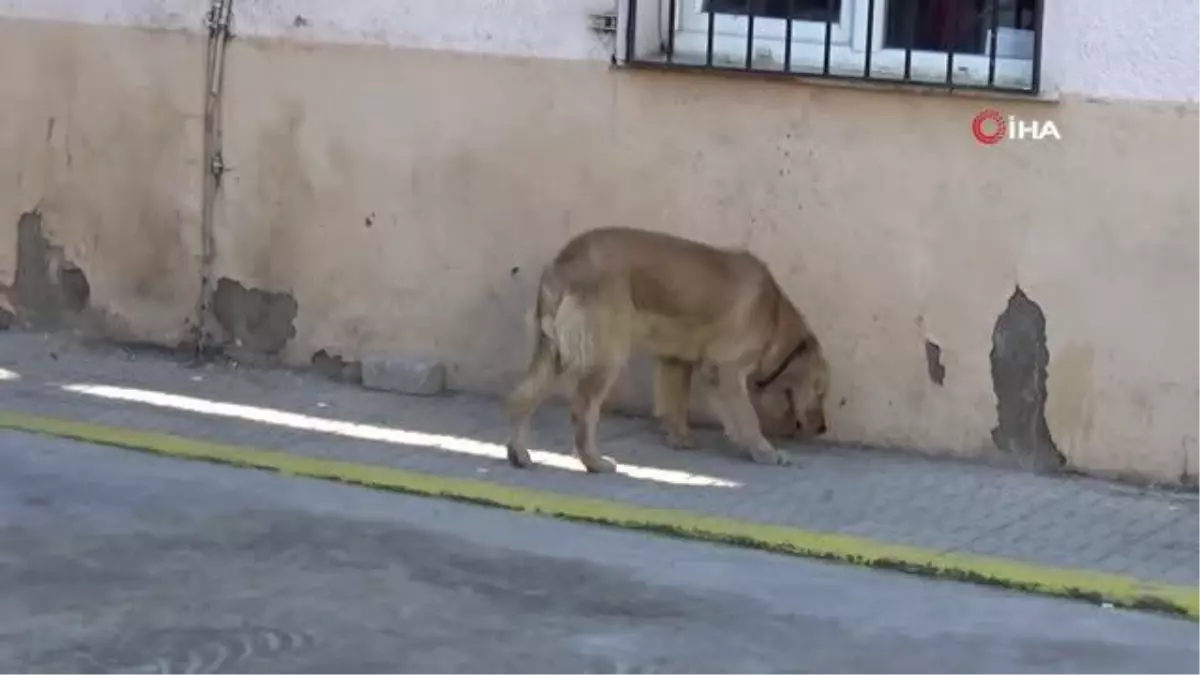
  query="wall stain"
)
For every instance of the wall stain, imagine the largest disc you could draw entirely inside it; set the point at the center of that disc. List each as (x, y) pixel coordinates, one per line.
(288, 196)
(1018, 359)
(258, 321)
(1187, 470)
(160, 251)
(48, 292)
(1069, 409)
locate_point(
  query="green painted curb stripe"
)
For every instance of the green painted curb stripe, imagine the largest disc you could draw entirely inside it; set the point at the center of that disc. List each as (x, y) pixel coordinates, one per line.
(1096, 587)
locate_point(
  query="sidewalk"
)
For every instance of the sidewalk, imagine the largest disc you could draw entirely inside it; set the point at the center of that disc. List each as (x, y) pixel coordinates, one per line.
(940, 505)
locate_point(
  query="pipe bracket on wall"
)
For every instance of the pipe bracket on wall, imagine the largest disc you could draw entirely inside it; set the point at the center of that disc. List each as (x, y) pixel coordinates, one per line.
(217, 21)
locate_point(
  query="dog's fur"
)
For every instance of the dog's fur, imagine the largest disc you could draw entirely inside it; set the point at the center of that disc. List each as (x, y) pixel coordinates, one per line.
(695, 308)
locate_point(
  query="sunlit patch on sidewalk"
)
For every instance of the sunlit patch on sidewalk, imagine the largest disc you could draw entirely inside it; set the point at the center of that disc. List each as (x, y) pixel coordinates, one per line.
(371, 432)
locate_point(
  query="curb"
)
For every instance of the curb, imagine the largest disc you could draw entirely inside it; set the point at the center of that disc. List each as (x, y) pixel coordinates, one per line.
(1095, 587)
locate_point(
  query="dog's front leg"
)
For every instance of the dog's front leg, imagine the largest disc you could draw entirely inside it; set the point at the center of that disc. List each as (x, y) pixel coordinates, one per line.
(732, 404)
(672, 394)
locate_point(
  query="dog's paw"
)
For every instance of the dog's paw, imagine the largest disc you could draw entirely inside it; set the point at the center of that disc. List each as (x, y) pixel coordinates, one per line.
(770, 457)
(601, 465)
(784, 459)
(680, 442)
(519, 457)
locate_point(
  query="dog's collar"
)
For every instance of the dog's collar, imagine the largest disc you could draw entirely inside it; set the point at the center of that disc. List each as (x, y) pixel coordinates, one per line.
(797, 351)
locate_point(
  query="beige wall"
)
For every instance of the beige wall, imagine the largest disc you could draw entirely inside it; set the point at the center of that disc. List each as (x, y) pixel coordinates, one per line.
(100, 134)
(406, 200)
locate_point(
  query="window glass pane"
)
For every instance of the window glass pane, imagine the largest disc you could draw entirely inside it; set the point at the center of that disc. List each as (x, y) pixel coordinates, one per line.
(1016, 14)
(803, 10)
(939, 25)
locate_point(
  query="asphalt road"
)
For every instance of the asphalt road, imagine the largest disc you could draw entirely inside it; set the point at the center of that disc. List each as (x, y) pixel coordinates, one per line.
(113, 561)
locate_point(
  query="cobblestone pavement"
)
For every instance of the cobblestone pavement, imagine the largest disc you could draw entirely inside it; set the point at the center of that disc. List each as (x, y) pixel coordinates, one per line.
(898, 498)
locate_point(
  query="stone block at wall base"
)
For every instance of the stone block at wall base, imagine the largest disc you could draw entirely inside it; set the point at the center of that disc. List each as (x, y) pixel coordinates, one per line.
(403, 375)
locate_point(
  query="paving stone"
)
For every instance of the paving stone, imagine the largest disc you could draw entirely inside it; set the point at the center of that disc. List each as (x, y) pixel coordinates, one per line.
(893, 497)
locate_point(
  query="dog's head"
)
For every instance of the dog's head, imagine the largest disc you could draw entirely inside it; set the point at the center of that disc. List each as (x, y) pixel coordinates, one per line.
(792, 403)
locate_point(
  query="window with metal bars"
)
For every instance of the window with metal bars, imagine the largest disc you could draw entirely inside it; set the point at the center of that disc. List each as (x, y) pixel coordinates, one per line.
(959, 44)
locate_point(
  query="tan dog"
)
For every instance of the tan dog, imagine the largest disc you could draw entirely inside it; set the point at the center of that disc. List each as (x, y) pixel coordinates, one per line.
(695, 308)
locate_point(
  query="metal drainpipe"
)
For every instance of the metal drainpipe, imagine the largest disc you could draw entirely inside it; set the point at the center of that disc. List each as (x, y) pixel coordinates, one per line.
(218, 20)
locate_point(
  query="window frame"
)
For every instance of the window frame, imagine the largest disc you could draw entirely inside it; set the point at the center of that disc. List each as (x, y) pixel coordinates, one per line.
(692, 19)
(687, 42)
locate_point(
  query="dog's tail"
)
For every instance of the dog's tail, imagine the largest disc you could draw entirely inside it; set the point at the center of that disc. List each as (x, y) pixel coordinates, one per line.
(566, 324)
(570, 332)
(545, 353)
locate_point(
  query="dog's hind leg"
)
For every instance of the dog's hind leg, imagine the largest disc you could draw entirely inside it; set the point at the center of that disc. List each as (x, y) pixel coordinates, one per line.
(593, 338)
(537, 384)
(672, 394)
(590, 391)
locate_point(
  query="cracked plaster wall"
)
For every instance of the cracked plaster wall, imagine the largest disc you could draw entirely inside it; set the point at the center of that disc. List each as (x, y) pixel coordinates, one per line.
(404, 198)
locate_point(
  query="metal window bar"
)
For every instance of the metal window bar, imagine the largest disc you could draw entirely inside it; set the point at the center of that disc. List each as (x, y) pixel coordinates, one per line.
(828, 36)
(1035, 79)
(750, 11)
(671, 31)
(870, 39)
(909, 35)
(952, 38)
(631, 32)
(994, 26)
(787, 37)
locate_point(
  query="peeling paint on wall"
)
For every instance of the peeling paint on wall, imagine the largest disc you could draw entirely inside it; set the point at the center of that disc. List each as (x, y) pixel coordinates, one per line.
(48, 291)
(260, 322)
(933, 361)
(336, 367)
(1019, 357)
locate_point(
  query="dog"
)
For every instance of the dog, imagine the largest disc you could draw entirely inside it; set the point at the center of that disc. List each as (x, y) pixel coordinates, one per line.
(696, 309)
